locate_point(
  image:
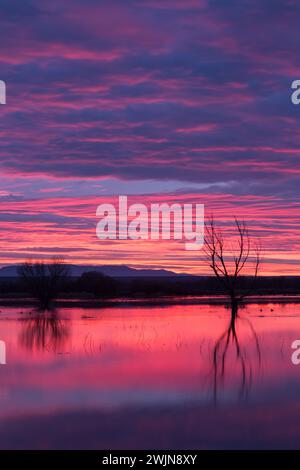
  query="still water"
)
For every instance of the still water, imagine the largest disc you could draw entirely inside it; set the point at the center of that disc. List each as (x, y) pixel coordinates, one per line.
(172, 377)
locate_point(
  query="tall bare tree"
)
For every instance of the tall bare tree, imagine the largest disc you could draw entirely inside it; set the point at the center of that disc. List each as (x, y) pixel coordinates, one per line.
(44, 280)
(230, 260)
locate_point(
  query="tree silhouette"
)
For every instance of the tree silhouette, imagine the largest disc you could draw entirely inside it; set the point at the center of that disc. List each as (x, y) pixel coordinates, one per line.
(44, 280)
(230, 259)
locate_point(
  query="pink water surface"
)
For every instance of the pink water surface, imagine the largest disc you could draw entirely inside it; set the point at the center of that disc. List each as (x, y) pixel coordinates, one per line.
(168, 377)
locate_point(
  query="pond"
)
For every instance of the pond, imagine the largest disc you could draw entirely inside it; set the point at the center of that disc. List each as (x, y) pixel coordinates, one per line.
(150, 377)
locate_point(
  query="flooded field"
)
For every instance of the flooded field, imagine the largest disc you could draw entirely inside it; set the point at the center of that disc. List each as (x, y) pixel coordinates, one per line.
(177, 376)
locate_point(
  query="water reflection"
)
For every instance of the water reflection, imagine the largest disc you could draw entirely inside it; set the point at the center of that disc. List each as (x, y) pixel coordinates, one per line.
(132, 371)
(44, 331)
(232, 353)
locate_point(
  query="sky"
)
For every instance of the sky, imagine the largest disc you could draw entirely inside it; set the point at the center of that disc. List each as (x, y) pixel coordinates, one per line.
(161, 100)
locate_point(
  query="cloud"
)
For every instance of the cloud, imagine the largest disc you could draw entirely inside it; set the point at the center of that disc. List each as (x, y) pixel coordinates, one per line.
(194, 92)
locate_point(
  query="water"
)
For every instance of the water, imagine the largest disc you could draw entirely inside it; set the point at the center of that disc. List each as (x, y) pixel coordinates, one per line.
(150, 377)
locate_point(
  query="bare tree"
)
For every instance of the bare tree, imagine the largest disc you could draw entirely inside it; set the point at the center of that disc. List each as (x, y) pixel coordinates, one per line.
(230, 260)
(44, 280)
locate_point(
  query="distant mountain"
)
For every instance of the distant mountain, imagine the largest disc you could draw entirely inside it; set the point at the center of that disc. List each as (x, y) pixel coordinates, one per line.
(109, 270)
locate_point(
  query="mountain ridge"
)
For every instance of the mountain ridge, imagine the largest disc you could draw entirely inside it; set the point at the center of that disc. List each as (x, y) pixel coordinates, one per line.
(109, 270)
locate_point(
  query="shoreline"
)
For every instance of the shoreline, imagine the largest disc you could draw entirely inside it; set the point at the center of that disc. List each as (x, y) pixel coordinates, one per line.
(151, 301)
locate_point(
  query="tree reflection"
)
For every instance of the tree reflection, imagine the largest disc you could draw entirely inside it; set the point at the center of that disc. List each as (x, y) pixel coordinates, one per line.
(229, 347)
(44, 331)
